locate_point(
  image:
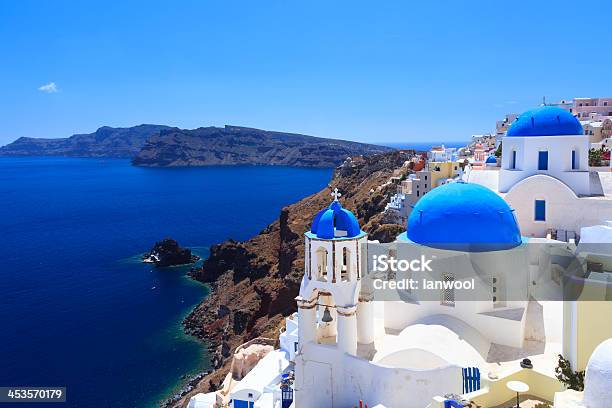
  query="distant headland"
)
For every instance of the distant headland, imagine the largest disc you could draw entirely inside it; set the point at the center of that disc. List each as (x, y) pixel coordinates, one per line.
(164, 146)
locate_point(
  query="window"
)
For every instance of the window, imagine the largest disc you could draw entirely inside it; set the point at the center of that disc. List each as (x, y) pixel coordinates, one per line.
(498, 294)
(286, 396)
(513, 160)
(540, 210)
(425, 185)
(605, 103)
(448, 291)
(543, 160)
(574, 159)
(346, 265)
(322, 264)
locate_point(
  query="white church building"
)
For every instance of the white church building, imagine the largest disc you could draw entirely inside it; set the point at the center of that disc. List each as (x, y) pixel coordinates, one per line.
(402, 351)
(545, 175)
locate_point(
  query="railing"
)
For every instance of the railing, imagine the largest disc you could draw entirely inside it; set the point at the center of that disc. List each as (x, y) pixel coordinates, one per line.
(286, 397)
(471, 379)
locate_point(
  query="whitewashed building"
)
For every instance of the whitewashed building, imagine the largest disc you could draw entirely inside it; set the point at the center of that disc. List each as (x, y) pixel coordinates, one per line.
(545, 176)
(402, 353)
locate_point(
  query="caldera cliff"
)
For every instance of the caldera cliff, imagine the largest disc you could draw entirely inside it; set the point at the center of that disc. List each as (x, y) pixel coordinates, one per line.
(235, 145)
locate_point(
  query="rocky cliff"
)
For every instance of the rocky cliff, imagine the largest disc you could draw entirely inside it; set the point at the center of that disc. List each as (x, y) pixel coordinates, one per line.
(254, 283)
(104, 142)
(234, 145)
(163, 146)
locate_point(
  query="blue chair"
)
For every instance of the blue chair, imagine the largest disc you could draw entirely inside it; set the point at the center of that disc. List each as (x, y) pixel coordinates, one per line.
(452, 404)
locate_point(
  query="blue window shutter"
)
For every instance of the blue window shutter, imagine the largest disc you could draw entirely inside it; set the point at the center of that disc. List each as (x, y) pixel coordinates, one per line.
(543, 160)
(540, 210)
(574, 167)
(513, 163)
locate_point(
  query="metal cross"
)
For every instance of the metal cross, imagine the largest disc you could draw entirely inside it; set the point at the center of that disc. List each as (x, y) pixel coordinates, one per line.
(336, 194)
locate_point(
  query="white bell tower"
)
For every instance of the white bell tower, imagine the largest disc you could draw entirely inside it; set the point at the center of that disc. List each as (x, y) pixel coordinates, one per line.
(331, 308)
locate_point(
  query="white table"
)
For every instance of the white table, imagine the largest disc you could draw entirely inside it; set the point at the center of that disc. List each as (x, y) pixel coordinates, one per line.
(518, 387)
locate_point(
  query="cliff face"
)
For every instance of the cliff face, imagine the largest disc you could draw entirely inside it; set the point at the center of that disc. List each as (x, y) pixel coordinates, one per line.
(254, 283)
(163, 146)
(104, 142)
(233, 145)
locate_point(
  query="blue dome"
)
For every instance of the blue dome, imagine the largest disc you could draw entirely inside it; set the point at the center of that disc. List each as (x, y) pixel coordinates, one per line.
(545, 121)
(463, 216)
(335, 222)
(491, 160)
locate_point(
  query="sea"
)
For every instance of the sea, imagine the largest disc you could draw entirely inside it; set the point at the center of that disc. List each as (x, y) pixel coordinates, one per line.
(77, 307)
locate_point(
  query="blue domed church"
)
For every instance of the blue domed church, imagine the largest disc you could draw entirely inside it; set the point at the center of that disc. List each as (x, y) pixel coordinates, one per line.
(469, 232)
(464, 217)
(545, 176)
(550, 141)
(415, 343)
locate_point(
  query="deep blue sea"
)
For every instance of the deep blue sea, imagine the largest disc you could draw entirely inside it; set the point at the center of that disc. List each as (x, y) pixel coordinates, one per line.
(77, 309)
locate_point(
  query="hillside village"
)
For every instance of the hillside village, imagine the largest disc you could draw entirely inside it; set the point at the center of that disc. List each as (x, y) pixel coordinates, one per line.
(540, 183)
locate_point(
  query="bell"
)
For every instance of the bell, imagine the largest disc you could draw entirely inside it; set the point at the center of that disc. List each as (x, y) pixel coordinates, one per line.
(326, 315)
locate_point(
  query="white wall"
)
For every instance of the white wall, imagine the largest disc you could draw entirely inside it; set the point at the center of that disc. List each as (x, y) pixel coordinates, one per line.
(326, 378)
(559, 160)
(399, 315)
(564, 210)
(415, 358)
(473, 306)
(289, 338)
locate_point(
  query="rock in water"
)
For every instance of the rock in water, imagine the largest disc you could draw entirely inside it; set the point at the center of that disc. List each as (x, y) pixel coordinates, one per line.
(168, 253)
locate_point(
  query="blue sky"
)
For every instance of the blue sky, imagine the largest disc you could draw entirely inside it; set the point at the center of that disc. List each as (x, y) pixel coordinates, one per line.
(379, 71)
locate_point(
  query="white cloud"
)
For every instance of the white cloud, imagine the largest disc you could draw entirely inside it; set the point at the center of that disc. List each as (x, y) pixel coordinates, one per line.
(49, 88)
